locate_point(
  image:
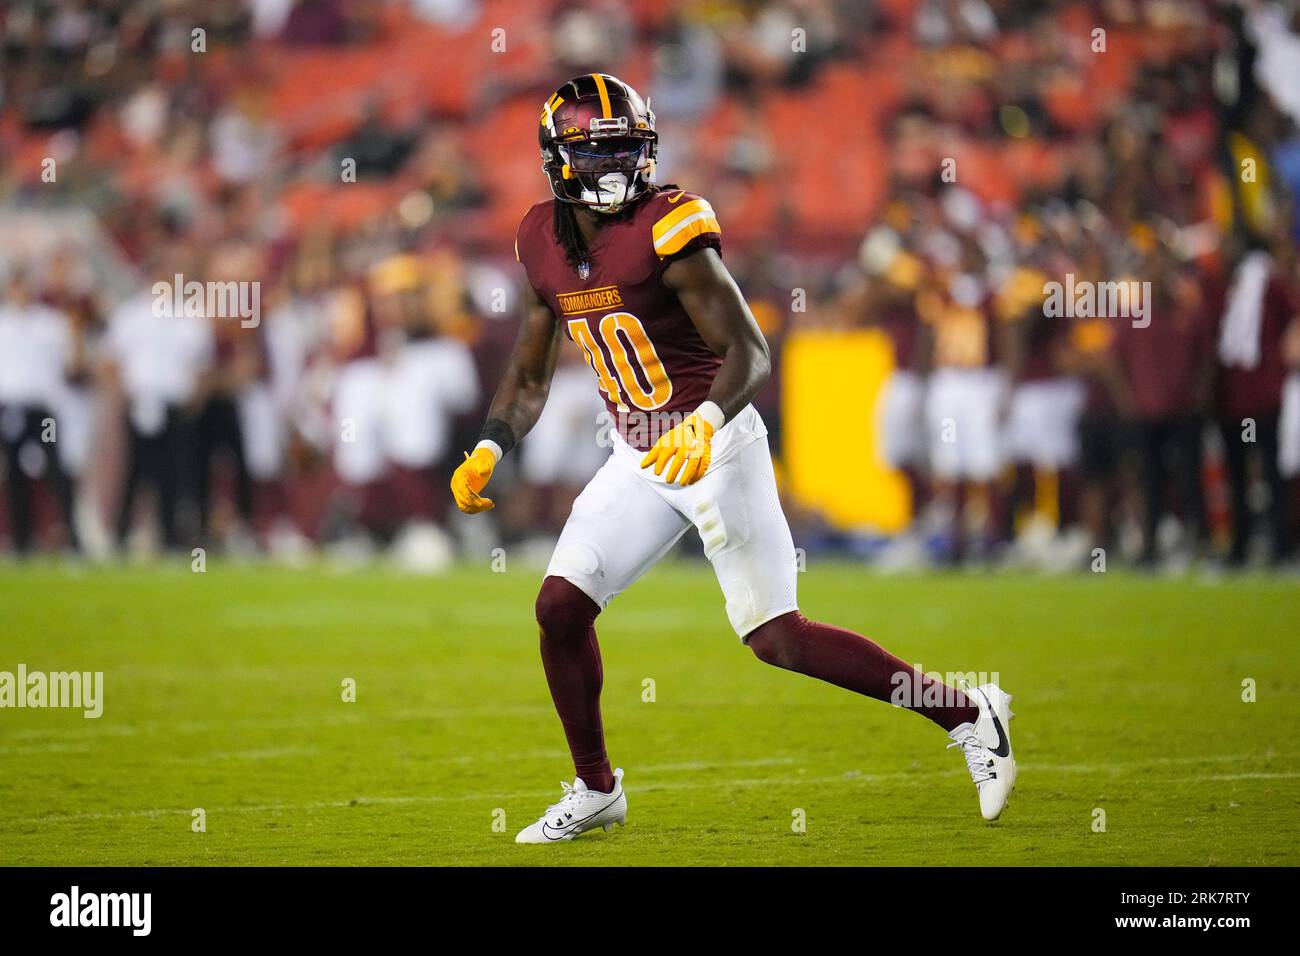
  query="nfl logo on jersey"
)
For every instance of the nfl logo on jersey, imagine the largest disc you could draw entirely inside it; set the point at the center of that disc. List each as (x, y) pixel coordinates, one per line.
(584, 270)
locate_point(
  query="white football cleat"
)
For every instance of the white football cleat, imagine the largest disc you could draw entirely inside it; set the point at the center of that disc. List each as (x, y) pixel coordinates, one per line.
(578, 811)
(986, 745)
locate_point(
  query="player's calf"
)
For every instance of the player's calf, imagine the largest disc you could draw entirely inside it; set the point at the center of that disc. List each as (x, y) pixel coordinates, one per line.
(571, 657)
(859, 664)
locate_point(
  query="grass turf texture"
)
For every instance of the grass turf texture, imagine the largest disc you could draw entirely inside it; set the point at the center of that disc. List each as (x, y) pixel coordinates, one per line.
(223, 691)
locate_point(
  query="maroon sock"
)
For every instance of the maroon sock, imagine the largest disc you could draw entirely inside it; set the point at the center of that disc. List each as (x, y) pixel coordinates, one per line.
(571, 658)
(858, 664)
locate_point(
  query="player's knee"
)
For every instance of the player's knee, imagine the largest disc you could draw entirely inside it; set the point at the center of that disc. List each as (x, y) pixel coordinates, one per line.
(773, 643)
(562, 609)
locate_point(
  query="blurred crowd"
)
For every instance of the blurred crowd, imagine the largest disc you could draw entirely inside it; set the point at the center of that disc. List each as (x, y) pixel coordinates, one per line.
(920, 170)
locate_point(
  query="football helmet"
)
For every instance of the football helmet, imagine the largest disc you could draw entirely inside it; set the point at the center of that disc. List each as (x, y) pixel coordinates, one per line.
(598, 143)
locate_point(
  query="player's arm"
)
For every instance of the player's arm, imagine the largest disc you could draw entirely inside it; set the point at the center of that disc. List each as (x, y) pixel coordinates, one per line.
(517, 404)
(721, 316)
(522, 393)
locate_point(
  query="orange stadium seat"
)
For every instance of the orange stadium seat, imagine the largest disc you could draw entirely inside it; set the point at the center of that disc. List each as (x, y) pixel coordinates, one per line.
(344, 206)
(837, 171)
(318, 94)
(515, 174)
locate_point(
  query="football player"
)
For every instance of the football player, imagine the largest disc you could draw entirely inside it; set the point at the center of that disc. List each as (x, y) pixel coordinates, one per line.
(631, 272)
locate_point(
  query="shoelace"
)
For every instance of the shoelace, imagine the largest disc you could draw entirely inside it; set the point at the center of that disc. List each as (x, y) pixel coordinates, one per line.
(569, 794)
(567, 802)
(976, 756)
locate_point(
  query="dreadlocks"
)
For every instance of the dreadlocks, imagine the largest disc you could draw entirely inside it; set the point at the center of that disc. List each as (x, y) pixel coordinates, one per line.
(567, 233)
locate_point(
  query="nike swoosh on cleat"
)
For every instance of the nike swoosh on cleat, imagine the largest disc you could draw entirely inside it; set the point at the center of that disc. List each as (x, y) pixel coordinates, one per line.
(547, 829)
(1003, 749)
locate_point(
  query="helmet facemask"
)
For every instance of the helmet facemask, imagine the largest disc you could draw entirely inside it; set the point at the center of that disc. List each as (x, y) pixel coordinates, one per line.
(609, 173)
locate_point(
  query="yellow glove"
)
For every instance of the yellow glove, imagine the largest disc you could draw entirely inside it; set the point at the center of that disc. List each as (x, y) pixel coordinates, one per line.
(686, 448)
(470, 478)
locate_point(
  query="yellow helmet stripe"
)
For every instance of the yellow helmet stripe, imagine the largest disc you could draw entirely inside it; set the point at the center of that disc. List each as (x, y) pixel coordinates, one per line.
(551, 106)
(605, 110)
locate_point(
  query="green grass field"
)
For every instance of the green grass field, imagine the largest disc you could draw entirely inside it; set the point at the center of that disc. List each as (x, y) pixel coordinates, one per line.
(223, 691)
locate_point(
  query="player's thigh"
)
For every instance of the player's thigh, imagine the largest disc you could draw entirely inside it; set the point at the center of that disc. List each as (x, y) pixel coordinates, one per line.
(618, 529)
(945, 422)
(1022, 429)
(982, 451)
(900, 419)
(738, 514)
(261, 428)
(1063, 404)
(1289, 428)
(358, 414)
(1041, 425)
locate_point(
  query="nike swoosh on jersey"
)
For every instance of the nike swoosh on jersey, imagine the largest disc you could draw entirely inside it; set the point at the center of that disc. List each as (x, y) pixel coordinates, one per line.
(673, 199)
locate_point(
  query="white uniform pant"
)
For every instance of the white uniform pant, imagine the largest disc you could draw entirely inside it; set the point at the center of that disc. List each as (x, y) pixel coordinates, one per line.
(625, 520)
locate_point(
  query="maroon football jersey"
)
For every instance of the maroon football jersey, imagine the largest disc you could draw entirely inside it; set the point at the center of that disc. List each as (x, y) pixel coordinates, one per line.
(648, 358)
(901, 324)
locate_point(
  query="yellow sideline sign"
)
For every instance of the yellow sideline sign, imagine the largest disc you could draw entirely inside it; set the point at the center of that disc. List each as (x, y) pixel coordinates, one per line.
(831, 385)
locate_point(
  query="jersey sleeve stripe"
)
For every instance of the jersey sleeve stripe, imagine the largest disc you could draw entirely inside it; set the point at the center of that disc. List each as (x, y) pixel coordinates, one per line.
(699, 224)
(688, 208)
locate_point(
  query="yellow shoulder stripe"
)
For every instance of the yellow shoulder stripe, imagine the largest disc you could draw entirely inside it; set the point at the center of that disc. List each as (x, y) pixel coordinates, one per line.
(678, 213)
(675, 230)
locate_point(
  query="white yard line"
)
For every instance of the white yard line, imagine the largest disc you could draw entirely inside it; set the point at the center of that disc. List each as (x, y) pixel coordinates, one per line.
(1253, 776)
(498, 798)
(208, 726)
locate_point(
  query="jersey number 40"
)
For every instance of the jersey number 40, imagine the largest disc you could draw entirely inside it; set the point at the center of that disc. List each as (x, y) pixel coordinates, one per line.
(646, 386)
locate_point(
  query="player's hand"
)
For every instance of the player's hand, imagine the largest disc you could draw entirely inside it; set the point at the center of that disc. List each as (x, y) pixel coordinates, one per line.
(685, 450)
(470, 478)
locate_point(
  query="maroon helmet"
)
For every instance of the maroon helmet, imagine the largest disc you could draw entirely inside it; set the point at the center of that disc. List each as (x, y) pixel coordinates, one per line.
(598, 143)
